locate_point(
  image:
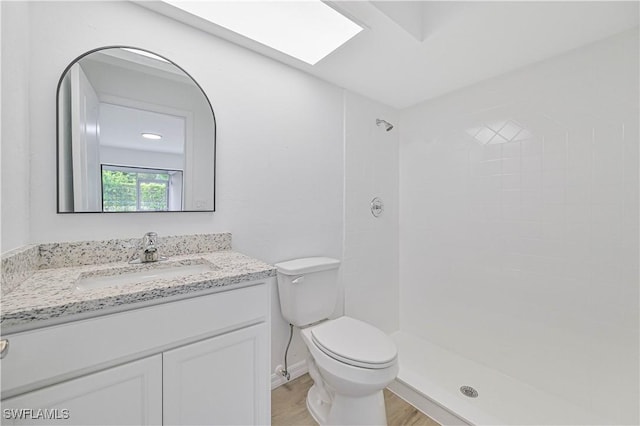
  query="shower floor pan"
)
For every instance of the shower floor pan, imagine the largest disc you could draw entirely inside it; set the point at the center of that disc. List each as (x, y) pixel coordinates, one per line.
(430, 378)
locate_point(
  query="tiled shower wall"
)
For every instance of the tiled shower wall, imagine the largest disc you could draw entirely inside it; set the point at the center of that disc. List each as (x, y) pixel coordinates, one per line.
(370, 260)
(519, 224)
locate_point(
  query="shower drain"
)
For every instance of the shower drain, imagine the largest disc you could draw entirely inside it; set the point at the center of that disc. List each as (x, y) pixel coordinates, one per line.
(469, 391)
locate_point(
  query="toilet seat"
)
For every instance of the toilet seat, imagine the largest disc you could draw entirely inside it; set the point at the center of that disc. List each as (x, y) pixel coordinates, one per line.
(355, 342)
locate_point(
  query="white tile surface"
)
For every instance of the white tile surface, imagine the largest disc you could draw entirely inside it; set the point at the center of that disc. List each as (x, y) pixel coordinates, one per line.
(501, 400)
(370, 263)
(533, 269)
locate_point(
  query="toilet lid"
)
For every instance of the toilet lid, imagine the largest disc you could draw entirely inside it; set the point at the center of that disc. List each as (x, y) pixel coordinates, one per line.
(355, 342)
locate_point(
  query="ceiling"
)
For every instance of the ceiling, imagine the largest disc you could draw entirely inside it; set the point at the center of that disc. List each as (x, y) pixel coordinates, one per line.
(122, 127)
(411, 51)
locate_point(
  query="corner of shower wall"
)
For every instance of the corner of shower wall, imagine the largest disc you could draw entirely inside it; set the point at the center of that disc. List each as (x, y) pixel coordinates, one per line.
(370, 259)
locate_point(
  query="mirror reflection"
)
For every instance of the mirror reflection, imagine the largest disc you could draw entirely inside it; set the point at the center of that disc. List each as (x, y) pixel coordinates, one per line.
(135, 134)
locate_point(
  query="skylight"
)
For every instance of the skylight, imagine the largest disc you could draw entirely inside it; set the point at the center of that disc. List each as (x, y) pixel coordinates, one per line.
(307, 30)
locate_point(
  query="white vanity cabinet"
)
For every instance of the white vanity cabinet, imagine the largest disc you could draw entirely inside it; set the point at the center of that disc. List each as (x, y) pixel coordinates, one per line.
(219, 380)
(127, 394)
(201, 360)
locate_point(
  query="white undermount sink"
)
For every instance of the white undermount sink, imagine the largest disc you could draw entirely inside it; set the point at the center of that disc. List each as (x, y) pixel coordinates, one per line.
(143, 273)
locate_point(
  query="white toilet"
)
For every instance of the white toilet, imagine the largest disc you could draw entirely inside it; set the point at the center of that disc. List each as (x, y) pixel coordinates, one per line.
(350, 361)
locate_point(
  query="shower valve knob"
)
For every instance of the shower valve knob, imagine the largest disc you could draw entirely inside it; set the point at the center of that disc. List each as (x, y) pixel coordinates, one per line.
(377, 207)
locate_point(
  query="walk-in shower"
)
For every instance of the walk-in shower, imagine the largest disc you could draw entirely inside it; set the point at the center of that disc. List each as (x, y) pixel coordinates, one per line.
(518, 245)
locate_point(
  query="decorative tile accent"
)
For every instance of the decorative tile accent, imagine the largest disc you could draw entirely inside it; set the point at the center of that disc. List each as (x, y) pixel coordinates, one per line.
(69, 254)
(17, 266)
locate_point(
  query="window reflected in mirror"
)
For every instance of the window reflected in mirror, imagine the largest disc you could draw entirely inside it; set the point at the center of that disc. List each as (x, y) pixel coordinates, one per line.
(128, 189)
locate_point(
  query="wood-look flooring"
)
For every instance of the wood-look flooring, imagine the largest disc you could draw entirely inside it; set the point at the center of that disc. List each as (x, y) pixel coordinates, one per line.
(289, 407)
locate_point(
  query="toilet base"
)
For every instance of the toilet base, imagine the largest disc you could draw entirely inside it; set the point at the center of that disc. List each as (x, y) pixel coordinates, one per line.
(347, 410)
(318, 409)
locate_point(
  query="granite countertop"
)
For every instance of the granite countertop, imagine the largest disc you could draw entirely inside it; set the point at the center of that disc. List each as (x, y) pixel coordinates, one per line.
(51, 295)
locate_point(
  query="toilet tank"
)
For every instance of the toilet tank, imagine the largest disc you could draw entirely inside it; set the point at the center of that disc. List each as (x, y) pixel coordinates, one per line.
(308, 289)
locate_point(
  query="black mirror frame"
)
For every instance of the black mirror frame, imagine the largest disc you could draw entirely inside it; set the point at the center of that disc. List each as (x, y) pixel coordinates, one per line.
(60, 81)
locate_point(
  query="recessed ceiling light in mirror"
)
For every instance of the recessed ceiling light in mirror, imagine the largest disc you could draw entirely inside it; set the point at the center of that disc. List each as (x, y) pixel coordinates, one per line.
(152, 136)
(307, 30)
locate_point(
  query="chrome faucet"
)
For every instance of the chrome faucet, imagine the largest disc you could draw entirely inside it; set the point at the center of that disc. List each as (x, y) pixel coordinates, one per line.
(149, 250)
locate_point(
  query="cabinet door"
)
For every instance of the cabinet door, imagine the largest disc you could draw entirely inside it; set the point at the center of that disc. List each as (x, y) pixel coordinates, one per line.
(223, 380)
(129, 394)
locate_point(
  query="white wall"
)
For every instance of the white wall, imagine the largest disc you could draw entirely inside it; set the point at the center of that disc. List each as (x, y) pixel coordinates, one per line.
(370, 262)
(524, 255)
(15, 127)
(279, 168)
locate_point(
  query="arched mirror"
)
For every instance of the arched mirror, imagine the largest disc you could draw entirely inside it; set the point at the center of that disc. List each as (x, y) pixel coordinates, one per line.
(135, 134)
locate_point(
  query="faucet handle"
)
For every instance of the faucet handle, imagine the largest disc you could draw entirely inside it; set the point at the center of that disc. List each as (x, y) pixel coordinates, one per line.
(149, 239)
(149, 248)
(148, 251)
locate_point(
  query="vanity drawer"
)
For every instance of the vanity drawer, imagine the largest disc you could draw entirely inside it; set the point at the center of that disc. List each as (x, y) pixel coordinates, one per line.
(48, 355)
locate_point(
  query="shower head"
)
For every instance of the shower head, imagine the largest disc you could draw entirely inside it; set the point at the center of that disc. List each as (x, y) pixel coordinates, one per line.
(387, 126)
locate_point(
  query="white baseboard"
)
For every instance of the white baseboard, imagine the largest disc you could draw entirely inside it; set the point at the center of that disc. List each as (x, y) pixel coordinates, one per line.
(296, 370)
(426, 405)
